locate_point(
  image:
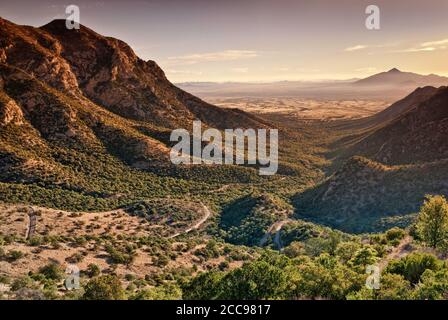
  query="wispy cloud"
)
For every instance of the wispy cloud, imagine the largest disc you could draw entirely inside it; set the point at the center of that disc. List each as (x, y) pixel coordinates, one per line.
(356, 48)
(442, 43)
(226, 55)
(427, 46)
(371, 47)
(417, 49)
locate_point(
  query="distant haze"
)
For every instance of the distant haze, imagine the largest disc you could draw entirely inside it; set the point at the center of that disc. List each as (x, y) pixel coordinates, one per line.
(388, 85)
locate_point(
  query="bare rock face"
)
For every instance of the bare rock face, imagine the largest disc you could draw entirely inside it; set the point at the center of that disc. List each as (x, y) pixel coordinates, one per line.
(50, 115)
(37, 53)
(110, 74)
(10, 112)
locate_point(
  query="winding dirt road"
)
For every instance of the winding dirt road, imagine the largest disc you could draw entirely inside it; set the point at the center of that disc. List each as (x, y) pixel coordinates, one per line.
(197, 225)
(402, 250)
(276, 227)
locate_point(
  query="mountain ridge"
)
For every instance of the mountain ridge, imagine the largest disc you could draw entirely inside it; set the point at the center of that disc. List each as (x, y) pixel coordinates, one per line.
(396, 77)
(107, 71)
(414, 132)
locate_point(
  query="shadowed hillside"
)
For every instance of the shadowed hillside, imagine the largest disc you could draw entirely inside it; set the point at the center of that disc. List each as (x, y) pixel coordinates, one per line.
(364, 195)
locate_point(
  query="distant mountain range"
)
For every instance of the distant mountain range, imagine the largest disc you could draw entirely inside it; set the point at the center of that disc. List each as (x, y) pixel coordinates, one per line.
(391, 85)
(395, 77)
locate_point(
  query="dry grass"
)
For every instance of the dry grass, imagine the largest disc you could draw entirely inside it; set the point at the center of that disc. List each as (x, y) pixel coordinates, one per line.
(302, 108)
(14, 221)
(116, 225)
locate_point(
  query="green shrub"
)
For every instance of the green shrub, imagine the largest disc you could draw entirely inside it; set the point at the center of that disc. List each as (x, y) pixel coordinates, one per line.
(93, 270)
(161, 260)
(414, 265)
(433, 221)
(163, 292)
(52, 271)
(75, 258)
(5, 279)
(393, 287)
(205, 286)
(433, 285)
(107, 287)
(120, 255)
(14, 255)
(129, 277)
(36, 241)
(23, 282)
(223, 266)
(395, 234)
(364, 256)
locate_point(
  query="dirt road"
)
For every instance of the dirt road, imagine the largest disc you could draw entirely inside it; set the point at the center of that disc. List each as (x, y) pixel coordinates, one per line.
(276, 227)
(197, 225)
(402, 250)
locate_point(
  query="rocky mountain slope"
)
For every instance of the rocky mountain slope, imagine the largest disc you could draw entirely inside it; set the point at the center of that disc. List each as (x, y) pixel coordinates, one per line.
(73, 102)
(107, 72)
(414, 130)
(85, 123)
(396, 158)
(396, 109)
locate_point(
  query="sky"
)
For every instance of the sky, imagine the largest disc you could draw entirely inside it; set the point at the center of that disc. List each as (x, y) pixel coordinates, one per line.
(263, 40)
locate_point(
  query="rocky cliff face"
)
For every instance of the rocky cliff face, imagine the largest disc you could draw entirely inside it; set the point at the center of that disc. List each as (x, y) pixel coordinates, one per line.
(108, 73)
(37, 53)
(10, 112)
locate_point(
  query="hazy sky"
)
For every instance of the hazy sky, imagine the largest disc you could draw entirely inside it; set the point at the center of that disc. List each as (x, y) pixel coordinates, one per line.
(261, 40)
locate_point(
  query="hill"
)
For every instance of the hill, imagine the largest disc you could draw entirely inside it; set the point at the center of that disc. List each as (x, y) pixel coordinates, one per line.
(85, 123)
(366, 196)
(412, 130)
(395, 77)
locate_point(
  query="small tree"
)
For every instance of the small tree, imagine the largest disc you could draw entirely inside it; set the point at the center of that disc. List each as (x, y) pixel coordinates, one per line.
(93, 270)
(363, 257)
(205, 286)
(106, 287)
(414, 265)
(433, 220)
(52, 271)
